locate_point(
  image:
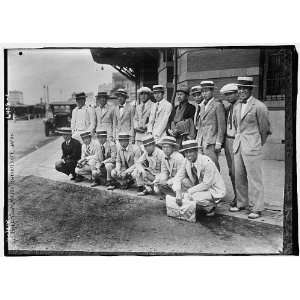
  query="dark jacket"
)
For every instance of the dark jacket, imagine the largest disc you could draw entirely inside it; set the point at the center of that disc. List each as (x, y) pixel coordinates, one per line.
(71, 151)
(188, 113)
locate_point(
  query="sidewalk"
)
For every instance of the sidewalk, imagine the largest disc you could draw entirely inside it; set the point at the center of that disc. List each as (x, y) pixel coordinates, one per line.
(41, 163)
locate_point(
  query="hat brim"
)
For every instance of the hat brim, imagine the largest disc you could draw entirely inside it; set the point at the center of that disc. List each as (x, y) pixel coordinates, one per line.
(171, 144)
(63, 132)
(191, 148)
(121, 94)
(150, 143)
(246, 85)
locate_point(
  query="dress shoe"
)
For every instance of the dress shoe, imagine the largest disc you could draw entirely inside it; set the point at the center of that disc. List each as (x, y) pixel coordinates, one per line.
(111, 187)
(140, 189)
(254, 215)
(235, 209)
(94, 184)
(143, 193)
(211, 213)
(73, 177)
(79, 178)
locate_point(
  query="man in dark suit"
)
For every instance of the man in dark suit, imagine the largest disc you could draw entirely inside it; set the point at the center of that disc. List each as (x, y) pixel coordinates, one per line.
(181, 121)
(71, 153)
(211, 125)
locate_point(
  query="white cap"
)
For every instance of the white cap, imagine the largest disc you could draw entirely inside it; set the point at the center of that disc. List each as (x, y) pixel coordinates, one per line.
(229, 88)
(144, 89)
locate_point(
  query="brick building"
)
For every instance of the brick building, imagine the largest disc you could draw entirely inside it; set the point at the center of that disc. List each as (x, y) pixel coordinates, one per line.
(270, 67)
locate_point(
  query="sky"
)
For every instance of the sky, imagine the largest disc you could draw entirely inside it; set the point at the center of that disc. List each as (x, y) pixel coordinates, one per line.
(64, 70)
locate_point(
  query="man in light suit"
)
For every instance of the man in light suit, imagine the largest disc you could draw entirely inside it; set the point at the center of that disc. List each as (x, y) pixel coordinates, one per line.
(123, 116)
(104, 114)
(198, 98)
(211, 124)
(230, 91)
(142, 114)
(171, 163)
(198, 179)
(127, 156)
(83, 118)
(159, 115)
(252, 127)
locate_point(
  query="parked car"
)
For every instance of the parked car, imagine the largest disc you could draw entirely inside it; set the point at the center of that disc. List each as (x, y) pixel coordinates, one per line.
(58, 115)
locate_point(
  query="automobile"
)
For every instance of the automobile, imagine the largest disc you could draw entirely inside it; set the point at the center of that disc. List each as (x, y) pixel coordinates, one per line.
(58, 115)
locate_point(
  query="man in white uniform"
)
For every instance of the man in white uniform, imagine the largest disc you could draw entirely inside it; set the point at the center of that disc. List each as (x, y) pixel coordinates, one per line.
(83, 118)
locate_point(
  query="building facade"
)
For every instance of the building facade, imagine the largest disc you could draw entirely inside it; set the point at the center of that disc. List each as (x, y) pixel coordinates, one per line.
(15, 97)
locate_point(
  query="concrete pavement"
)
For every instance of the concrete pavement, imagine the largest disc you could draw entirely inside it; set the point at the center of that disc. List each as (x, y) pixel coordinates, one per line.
(41, 163)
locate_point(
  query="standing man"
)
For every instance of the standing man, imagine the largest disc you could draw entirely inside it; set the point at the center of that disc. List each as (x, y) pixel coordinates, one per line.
(230, 91)
(181, 121)
(142, 114)
(127, 156)
(104, 115)
(148, 166)
(251, 120)
(83, 117)
(123, 115)
(197, 97)
(198, 179)
(71, 153)
(212, 124)
(105, 160)
(171, 163)
(160, 113)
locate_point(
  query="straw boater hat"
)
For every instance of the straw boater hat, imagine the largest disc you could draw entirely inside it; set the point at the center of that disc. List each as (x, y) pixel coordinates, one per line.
(168, 140)
(85, 134)
(144, 89)
(189, 145)
(101, 133)
(245, 81)
(80, 96)
(122, 92)
(196, 89)
(102, 95)
(124, 136)
(229, 88)
(207, 84)
(183, 89)
(64, 130)
(148, 140)
(158, 88)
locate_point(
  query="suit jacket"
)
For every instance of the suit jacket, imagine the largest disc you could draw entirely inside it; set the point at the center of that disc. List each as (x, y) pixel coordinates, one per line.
(159, 117)
(252, 129)
(208, 175)
(169, 168)
(212, 124)
(89, 119)
(105, 118)
(94, 148)
(123, 123)
(188, 113)
(141, 118)
(131, 156)
(110, 154)
(72, 151)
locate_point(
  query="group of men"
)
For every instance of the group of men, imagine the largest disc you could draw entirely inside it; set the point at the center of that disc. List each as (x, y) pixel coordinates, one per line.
(174, 151)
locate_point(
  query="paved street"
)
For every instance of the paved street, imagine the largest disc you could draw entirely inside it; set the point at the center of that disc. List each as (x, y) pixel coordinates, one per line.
(28, 135)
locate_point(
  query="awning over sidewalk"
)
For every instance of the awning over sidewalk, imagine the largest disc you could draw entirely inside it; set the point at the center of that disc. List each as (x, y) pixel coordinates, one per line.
(127, 61)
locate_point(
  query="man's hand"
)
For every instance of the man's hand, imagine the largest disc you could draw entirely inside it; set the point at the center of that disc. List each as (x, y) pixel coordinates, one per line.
(179, 198)
(218, 148)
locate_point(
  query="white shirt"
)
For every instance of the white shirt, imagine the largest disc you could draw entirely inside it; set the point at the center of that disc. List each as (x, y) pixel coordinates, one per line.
(244, 105)
(121, 109)
(80, 120)
(208, 103)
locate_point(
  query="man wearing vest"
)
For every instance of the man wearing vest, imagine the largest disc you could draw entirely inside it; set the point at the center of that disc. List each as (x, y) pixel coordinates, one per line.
(142, 114)
(252, 125)
(159, 115)
(171, 163)
(105, 160)
(88, 157)
(71, 153)
(212, 124)
(230, 91)
(127, 156)
(148, 166)
(198, 179)
(83, 117)
(104, 115)
(123, 115)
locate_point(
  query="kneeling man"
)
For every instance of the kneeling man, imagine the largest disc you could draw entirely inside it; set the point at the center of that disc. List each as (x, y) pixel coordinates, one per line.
(105, 160)
(148, 166)
(127, 156)
(71, 153)
(88, 157)
(171, 163)
(199, 179)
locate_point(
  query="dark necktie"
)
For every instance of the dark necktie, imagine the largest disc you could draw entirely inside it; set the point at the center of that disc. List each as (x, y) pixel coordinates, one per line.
(124, 156)
(230, 116)
(88, 150)
(103, 151)
(194, 173)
